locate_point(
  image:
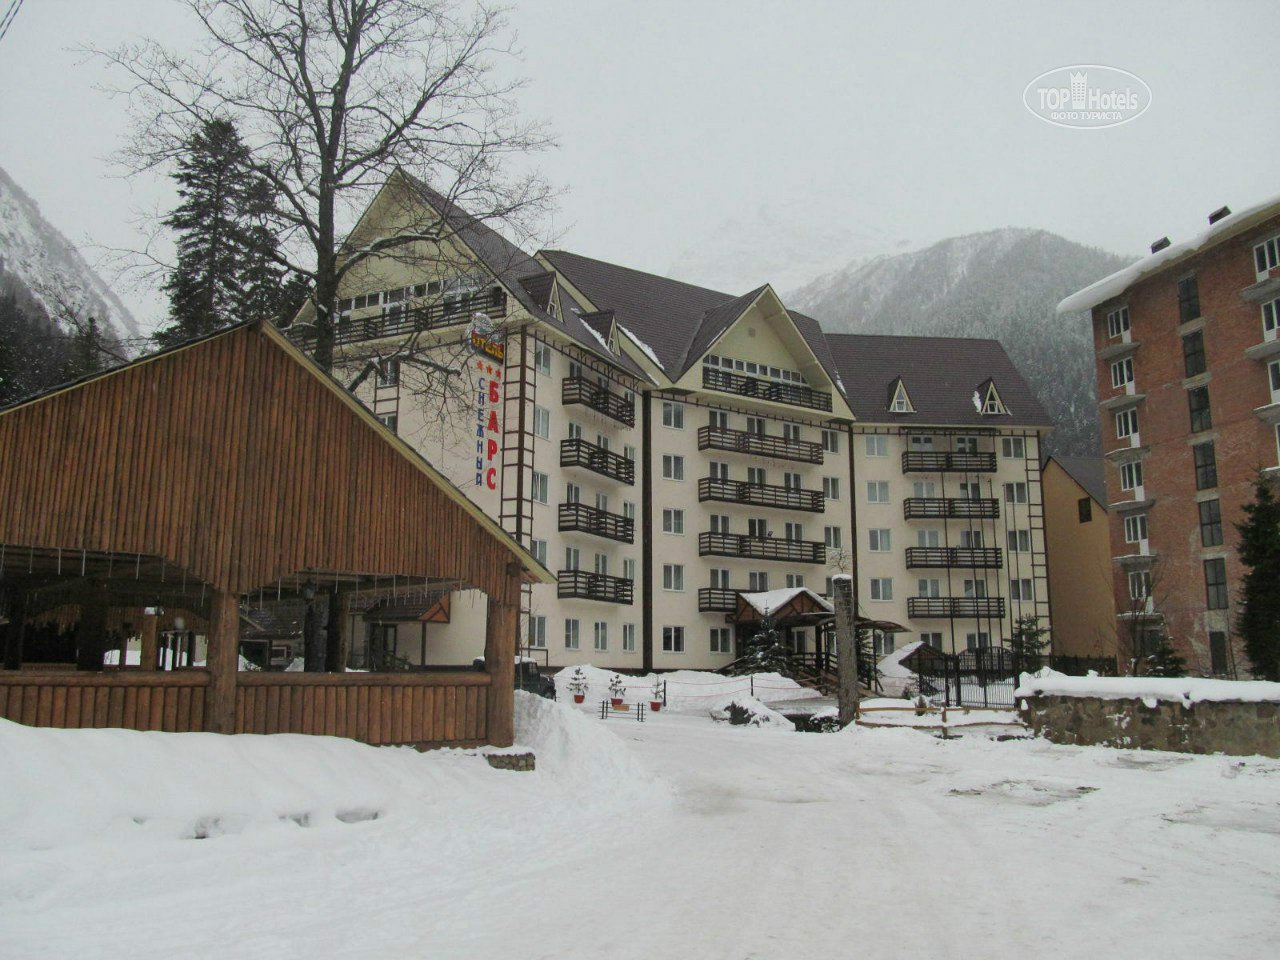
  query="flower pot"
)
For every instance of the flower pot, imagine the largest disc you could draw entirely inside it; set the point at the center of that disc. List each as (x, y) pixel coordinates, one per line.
(655, 705)
(579, 697)
(617, 701)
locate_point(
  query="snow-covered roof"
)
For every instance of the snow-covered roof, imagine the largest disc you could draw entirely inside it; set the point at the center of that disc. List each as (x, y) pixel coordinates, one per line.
(1120, 281)
(891, 663)
(770, 600)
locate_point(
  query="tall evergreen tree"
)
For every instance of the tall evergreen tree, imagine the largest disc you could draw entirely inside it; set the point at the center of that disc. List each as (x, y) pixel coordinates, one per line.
(1259, 621)
(766, 650)
(1164, 660)
(226, 269)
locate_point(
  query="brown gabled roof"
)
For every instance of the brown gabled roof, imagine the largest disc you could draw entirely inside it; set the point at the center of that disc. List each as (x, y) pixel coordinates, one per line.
(939, 374)
(1088, 472)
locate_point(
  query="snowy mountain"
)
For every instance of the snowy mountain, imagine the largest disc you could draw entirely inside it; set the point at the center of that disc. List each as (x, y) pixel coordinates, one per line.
(1003, 284)
(41, 263)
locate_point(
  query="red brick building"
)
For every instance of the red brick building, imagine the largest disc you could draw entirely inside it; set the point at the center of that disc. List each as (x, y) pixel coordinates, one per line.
(1188, 367)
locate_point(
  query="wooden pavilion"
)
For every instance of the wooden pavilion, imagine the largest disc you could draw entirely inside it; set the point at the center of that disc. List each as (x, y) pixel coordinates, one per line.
(200, 477)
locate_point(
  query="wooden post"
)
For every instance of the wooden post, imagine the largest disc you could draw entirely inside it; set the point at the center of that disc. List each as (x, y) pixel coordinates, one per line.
(15, 629)
(335, 637)
(223, 659)
(500, 661)
(147, 659)
(846, 649)
(91, 636)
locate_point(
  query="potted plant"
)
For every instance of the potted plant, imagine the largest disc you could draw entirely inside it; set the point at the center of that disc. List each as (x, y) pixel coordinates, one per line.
(655, 698)
(578, 685)
(617, 690)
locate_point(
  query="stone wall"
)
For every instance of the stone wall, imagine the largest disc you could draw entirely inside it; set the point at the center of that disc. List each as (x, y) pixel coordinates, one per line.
(1231, 727)
(523, 762)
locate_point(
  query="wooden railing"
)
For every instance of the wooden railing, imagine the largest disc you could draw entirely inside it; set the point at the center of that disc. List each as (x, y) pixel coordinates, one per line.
(585, 585)
(761, 494)
(598, 398)
(962, 607)
(172, 701)
(758, 445)
(942, 508)
(717, 600)
(986, 557)
(576, 452)
(921, 461)
(794, 394)
(600, 523)
(410, 707)
(711, 544)
(492, 303)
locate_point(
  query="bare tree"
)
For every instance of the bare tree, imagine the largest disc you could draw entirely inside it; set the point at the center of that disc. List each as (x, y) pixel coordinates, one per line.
(333, 97)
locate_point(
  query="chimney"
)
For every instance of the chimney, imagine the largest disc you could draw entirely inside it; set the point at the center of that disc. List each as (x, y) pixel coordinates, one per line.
(1219, 214)
(1159, 244)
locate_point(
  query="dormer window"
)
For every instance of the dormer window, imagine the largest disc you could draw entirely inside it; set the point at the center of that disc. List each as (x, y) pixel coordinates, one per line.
(987, 399)
(899, 401)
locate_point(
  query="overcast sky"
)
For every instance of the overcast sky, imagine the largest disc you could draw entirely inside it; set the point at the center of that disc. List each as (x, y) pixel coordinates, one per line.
(731, 143)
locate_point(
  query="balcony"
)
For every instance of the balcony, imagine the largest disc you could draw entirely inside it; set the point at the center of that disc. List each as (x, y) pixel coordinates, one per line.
(576, 452)
(991, 558)
(947, 508)
(599, 399)
(963, 607)
(795, 394)
(592, 586)
(758, 445)
(760, 548)
(492, 303)
(717, 600)
(599, 523)
(923, 461)
(761, 495)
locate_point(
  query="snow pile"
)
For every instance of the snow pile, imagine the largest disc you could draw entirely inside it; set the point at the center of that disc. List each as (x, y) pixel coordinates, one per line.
(1187, 690)
(885, 712)
(758, 714)
(687, 691)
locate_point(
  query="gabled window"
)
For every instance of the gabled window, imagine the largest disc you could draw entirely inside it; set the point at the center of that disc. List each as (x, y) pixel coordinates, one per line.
(899, 401)
(989, 400)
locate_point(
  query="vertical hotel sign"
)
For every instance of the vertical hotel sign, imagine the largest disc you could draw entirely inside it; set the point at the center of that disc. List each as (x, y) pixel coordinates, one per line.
(491, 350)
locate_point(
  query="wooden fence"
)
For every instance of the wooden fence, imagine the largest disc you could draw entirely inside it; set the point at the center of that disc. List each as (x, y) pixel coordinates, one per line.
(423, 709)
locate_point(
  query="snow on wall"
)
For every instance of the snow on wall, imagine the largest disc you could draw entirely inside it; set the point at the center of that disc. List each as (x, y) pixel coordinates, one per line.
(1187, 690)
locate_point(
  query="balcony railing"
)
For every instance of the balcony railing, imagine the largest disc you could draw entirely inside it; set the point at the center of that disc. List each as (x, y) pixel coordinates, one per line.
(600, 523)
(795, 394)
(761, 495)
(761, 548)
(717, 600)
(758, 445)
(942, 508)
(944, 607)
(988, 557)
(579, 390)
(921, 461)
(492, 303)
(592, 586)
(576, 452)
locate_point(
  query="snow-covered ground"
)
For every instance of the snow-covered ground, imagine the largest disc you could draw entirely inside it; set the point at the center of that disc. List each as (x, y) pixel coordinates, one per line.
(677, 837)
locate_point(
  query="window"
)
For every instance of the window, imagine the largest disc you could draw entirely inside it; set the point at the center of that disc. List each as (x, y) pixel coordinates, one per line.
(1022, 589)
(1188, 299)
(542, 358)
(975, 589)
(1215, 583)
(1084, 509)
(1210, 523)
(756, 476)
(831, 488)
(575, 369)
(791, 481)
(718, 420)
(572, 493)
(389, 420)
(795, 580)
(932, 639)
(571, 631)
(1273, 379)
(1270, 319)
(977, 641)
(1018, 541)
(831, 537)
(1139, 584)
(719, 578)
(793, 531)
(575, 431)
(881, 588)
(629, 452)
(541, 422)
(601, 563)
(539, 550)
(1013, 448)
(628, 638)
(1118, 322)
(930, 588)
(791, 431)
(1127, 423)
(538, 632)
(672, 467)
(1198, 404)
(970, 490)
(718, 470)
(1218, 653)
(719, 523)
(921, 443)
(831, 441)
(758, 581)
(629, 569)
(673, 415)
(1015, 492)
(1266, 256)
(879, 539)
(673, 521)
(755, 425)
(1193, 361)
(924, 489)
(829, 588)
(673, 576)
(1122, 372)
(881, 643)
(628, 509)
(928, 538)
(720, 640)
(877, 491)
(1135, 528)
(600, 636)
(1131, 475)
(966, 444)
(389, 372)
(673, 639)
(971, 539)
(602, 502)
(877, 445)
(1206, 465)
(901, 403)
(572, 558)
(539, 490)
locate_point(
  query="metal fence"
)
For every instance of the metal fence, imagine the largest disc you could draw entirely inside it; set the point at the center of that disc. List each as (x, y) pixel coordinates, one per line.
(988, 676)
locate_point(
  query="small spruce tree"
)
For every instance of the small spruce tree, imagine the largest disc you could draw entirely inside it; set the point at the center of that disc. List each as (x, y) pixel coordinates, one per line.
(1164, 660)
(766, 653)
(1028, 642)
(1259, 620)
